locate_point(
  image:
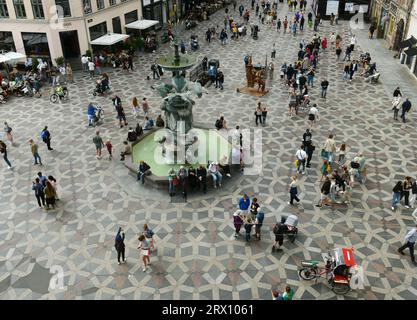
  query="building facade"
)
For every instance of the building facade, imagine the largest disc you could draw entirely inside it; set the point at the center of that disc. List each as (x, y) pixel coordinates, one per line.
(391, 18)
(53, 28)
(411, 58)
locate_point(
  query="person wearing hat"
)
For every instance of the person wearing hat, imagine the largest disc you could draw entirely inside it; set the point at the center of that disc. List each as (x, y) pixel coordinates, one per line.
(215, 173)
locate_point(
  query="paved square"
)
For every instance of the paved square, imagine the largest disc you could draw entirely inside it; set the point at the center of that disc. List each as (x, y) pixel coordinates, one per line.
(197, 256)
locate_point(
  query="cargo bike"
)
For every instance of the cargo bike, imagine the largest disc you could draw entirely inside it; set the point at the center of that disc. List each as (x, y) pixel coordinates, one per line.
(338, 270)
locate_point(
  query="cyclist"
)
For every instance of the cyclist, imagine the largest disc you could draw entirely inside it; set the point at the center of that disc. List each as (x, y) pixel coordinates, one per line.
(91, 112)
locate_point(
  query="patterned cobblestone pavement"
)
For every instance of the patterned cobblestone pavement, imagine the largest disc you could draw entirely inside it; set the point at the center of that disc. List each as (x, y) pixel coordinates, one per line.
(197, 256)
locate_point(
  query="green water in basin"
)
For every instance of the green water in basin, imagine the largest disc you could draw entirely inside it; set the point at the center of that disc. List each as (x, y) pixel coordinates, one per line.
(212, 146)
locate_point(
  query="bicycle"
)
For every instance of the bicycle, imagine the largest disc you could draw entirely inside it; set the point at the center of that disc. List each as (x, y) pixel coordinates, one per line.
(311, 270)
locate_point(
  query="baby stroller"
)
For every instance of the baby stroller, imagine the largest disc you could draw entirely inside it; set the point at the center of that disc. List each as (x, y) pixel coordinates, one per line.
(291, 222)
(102, 87)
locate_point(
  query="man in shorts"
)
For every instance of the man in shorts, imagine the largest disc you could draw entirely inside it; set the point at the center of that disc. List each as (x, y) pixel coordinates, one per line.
(313, 115)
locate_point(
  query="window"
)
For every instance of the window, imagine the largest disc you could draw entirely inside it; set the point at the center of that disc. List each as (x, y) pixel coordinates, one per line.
(117, 26)
(98, 30)
(100, 4)
(19, 8)
(4, 13)
(112, 2)
(66, 9)
(131, 16)
(87, 6)
(37, 8)
(36, 44)
(6, 39)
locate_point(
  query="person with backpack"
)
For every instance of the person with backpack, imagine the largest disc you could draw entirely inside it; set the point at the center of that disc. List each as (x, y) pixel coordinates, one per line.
(119, 245)
(46, 137)
(3, 150)
(212, 74)
(325, 191)
(396, 194)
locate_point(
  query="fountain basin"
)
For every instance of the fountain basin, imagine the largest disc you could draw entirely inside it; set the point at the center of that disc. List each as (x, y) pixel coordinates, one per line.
(212, 146)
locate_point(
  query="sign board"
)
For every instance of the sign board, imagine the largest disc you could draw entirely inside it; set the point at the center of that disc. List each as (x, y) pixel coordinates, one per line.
(332, 7)
(363, 8)
(349, 6)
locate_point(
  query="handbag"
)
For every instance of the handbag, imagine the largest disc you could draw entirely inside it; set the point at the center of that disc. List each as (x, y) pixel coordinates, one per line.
(175, 182)
(296, 163)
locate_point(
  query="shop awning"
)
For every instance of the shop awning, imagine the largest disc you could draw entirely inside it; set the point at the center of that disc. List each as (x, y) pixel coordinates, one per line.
(11, 56)
(109, 39)
(411, 51)
(408, 43)
(142, 24)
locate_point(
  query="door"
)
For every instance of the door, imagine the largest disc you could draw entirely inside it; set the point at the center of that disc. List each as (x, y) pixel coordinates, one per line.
(399, 34)
(70, 44)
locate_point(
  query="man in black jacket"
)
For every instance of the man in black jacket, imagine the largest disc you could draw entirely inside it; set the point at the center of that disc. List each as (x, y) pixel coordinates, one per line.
(202, 177)
(324, 85)
(406, 106)
(397, 92)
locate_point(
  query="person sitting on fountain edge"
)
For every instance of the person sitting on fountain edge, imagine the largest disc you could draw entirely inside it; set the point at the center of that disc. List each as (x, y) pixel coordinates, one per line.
(159, 122)
(215, 173)
(224, 165)
(144, 170)
(202, 178)
(148, 124)
(127, 151)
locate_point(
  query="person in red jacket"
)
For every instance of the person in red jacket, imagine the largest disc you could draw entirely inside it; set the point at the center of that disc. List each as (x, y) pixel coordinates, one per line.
(324, 43)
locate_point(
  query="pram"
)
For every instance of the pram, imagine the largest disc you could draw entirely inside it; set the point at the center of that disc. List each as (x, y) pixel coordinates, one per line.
(291, 222)
(102, 87)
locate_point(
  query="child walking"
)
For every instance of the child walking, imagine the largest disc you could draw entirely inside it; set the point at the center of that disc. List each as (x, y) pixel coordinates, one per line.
(109, 147)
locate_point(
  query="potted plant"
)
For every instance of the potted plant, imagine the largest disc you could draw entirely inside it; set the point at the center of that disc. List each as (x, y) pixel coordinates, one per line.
(35, 63)
(89, 54)
(59, 61)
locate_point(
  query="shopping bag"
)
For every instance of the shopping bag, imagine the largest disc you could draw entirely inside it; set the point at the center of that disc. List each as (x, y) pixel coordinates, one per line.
(296, 163)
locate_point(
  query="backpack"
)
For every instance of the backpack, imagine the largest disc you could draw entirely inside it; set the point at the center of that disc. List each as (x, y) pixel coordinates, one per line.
(43, 135)
(354, 165)
(9, 129)
(276, 228)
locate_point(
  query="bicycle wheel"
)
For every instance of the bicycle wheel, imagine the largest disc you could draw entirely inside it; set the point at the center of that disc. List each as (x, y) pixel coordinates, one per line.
(54, 98)
(307, 273)
(340, 288)
(66, 94)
